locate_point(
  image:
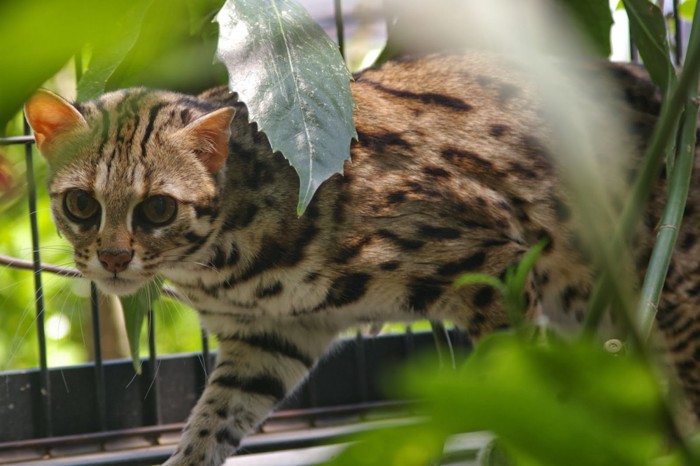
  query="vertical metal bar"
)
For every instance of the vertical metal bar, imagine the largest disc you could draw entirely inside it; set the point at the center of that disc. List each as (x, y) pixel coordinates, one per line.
(100, 386)
(206, 353)
(362, 369)
(339, 26)
(678, 36)
(44, 381)
(152, 398)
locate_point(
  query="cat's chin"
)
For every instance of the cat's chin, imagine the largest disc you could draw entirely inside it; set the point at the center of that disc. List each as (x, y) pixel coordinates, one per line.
(119, 286)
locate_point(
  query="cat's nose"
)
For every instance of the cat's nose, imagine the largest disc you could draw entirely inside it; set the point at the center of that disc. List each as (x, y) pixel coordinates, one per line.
(115, 260)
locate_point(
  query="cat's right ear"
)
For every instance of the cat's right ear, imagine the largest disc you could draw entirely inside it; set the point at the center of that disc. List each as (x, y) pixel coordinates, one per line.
(51, 116)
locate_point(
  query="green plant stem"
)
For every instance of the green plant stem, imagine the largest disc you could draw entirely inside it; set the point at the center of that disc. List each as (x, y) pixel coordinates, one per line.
(679, 184)
(662, 138)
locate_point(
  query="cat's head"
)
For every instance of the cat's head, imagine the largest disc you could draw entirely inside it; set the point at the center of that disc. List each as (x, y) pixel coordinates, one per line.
(132, 179)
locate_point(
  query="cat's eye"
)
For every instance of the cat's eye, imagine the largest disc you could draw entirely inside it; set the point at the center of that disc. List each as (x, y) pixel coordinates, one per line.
(80, 206)
(157, 210)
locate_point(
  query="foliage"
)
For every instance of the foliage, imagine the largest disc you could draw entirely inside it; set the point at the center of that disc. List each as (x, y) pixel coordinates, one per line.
(551, 404)
(294, 82)
(649, 31)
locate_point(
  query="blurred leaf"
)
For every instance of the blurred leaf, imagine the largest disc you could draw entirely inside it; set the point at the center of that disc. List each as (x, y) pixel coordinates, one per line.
(173, 33)
(294, 82)
(687, 9)
(595, 19)
(136, 308)
(37, 38)
(558, 404)
(649, 33)
(107, 55)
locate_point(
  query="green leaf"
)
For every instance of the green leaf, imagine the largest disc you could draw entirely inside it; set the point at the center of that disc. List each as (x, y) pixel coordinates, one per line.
(595, 19)
(108, 55)
(687, 9)
(557, 404)
(38, 38)
(649, 32)
(136, 307)
(294, 82)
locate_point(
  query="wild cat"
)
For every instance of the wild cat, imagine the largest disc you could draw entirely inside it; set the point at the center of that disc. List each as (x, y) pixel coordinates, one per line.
(451, 173)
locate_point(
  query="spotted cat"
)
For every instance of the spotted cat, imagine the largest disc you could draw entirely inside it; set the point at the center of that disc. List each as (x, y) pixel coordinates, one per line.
(452, 173)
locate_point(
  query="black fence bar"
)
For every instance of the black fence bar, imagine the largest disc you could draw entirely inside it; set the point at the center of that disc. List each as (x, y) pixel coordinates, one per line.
(206, 354)
(100, 387)
(44, 394)
(339, 25)
(12, 140)
(153, 415)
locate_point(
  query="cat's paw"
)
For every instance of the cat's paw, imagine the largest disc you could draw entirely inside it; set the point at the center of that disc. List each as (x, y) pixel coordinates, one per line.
(199, 454)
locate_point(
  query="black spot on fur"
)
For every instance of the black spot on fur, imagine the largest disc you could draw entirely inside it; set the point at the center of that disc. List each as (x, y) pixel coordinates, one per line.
(272, 343)
(347, 289)
(459, 156)
(396, 196)
(224, 435)
(438, 232)
(269, 291)
(403, 243)
(424, 291)
(351, 250)
(378, 142)
(389, 265)
(203, 433)
(483, 297)
(568, 296)
(205, 211)
(262, 385)
(472, 262)
(428, 98)
(240, 217)
(436, 172)
(688, 241)
(498, 130)
(523, 171)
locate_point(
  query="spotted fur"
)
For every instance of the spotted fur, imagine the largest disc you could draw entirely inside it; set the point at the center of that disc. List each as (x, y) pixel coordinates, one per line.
(452, 173)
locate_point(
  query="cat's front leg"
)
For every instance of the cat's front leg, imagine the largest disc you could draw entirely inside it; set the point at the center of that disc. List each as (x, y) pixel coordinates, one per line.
(254, 372)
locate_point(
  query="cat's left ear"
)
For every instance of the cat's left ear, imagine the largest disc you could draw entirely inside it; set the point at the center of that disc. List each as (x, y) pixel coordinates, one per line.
(51, 117)
(208, 137)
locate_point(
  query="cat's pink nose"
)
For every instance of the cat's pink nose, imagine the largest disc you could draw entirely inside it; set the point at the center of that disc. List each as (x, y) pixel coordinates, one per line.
(115, 260)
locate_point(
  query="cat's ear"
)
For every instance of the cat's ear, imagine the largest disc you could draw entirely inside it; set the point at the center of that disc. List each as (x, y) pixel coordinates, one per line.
(208, 136)
(50, 116)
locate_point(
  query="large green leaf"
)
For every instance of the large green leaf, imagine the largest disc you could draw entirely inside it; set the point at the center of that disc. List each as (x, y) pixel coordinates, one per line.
(595, 19)
(556, 404)
(649, 32)
(136, 307)
(38, 38)
(107, 55)
(294, 82)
